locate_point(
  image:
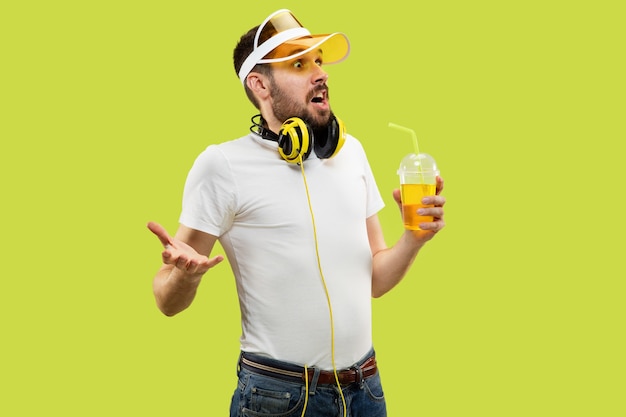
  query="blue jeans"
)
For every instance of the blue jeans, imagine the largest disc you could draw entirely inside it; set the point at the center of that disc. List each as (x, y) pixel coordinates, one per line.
(259, 395)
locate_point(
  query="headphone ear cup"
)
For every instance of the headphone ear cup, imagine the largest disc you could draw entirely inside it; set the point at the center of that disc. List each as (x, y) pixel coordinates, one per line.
(335, 138)
(341, 136)
(294, 139)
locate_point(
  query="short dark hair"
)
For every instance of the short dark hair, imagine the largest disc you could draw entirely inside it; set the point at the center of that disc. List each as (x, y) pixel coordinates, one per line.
(244, 48)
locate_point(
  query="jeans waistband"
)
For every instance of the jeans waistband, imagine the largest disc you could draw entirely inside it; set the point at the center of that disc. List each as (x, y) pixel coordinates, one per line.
(363, 369)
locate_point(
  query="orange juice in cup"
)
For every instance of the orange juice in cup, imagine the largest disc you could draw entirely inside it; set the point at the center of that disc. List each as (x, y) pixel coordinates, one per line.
(418, 178)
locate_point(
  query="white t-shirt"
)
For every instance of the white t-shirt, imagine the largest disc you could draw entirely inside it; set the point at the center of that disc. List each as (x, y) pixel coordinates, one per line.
(256, 203)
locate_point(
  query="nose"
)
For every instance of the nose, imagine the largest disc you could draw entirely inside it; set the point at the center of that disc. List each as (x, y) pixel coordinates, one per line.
(319, 75)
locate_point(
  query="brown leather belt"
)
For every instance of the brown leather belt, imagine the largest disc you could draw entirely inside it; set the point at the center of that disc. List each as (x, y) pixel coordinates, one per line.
(347, 376)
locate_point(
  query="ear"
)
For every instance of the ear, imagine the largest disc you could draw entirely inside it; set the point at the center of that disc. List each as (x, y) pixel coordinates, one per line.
(259, 85)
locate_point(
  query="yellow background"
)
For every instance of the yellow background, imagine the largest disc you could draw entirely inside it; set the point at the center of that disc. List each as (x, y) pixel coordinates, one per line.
(515, 309)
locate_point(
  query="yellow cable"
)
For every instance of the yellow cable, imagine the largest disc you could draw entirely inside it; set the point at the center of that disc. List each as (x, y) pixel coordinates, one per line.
(306, 391)
(330, 308)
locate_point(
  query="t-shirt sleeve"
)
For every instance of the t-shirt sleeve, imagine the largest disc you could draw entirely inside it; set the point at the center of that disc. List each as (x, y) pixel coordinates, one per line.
(375, 202)
(209, 196)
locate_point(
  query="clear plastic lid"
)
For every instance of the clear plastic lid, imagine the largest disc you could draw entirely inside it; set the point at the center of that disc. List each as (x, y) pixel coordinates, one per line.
(418, 163)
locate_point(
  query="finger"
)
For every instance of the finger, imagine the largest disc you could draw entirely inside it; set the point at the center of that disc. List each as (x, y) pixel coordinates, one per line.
(433, 226)
(435, 212)
(435, 200)
(204, 264)
(182, 262)
(439, 185)
(197, 265)
(174, 257)
(215, 260)
(161, 233)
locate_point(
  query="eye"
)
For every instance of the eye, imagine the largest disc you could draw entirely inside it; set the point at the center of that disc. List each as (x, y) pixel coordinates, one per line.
(297, 64)
(319, 62)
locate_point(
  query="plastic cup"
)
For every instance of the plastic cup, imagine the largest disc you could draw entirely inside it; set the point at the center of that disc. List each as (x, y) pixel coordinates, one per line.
(418, 178)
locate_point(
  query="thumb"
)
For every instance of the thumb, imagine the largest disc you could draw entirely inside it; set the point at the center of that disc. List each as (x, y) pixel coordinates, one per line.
(397, 196)
(160, 232)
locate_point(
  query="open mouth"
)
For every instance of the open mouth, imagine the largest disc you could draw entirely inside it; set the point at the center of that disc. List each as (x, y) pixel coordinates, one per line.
(319, 97)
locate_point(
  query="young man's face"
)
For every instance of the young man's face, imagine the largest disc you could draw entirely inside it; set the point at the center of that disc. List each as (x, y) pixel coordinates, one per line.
(298, 88)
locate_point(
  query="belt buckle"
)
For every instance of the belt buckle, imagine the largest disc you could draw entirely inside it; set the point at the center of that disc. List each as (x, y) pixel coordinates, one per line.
(359, 376)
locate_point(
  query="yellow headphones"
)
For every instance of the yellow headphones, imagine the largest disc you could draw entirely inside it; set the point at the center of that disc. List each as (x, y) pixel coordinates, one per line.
(296, 139)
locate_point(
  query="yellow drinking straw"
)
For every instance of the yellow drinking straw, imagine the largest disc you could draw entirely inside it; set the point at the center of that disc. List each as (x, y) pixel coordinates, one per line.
(414, 137)
(411, 132)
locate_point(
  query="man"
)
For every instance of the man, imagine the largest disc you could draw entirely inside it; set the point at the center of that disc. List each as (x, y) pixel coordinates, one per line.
(294, 206)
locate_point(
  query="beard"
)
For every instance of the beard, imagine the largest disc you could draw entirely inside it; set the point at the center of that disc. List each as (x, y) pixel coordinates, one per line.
(285, 107)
